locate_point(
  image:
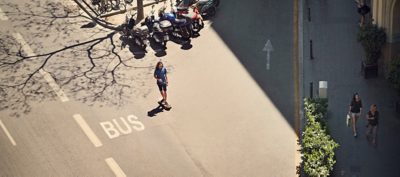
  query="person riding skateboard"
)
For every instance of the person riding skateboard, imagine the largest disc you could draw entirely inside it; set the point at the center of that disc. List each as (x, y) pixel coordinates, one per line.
(160, 74)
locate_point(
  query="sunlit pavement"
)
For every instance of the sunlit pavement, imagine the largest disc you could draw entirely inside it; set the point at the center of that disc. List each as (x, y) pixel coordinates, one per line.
(85, 113)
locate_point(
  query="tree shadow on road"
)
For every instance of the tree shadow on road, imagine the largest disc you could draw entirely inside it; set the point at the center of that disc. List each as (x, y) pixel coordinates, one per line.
(89, 70)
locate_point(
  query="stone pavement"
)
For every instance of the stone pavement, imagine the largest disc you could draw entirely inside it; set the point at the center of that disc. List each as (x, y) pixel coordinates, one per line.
(337, 58)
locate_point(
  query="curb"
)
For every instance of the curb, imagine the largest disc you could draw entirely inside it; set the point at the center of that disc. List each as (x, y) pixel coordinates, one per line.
(129, 9)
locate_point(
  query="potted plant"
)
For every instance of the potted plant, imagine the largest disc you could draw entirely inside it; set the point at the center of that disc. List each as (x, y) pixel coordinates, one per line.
(394, 77)
(372, 38)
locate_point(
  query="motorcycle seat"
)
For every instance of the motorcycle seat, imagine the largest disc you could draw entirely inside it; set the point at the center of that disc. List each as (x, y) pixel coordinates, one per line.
(140, 30)
(202, 1)
(180, 20)
(143, 28)
(165, 24)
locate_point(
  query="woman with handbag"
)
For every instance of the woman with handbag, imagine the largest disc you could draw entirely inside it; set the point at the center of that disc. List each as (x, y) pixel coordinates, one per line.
(355, 109)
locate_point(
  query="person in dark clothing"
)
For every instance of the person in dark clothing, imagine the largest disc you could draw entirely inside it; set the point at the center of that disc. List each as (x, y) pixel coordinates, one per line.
(373, 120)
(355, 110)
(160, 74)
(363, 10)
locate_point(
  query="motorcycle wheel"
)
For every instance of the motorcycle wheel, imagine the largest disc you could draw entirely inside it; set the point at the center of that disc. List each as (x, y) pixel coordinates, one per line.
(216, 3)
(211, 12)
(196, 27)
(109, 7)
(186, 34)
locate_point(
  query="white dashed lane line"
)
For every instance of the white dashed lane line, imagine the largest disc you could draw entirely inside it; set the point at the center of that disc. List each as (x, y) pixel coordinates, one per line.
(3, 16)
(49, 79)
(115, 167)
(87, 130)
(7, 133)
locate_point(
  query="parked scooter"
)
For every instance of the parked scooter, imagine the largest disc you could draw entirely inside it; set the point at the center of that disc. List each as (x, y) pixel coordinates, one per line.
(197, 20)
(158, 29)
(207, 8)
(139, 35)
(182, 26)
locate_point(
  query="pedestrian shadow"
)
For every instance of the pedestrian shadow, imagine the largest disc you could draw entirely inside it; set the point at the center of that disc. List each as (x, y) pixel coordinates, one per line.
(155, 111)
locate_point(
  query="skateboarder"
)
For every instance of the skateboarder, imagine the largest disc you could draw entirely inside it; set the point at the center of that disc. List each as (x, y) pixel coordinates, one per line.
(160, 74)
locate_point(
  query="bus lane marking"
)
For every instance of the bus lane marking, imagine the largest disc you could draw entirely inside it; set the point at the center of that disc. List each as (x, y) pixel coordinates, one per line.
(87, 130)
(7, 133)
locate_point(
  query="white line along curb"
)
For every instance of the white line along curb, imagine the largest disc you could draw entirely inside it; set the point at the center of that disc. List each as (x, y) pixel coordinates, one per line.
(7, 133)
(49, 79)
(115, 167)
(3, 16)
(87, 130)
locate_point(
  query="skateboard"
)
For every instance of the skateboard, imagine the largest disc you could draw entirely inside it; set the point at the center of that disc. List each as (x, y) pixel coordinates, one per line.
(165, 106)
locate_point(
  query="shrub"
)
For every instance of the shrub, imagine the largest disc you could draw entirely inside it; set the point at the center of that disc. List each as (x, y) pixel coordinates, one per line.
(372, 39)
(394, 73)
(317, 146)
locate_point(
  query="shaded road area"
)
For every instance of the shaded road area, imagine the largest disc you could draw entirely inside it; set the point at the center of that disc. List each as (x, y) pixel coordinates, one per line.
(337, 57)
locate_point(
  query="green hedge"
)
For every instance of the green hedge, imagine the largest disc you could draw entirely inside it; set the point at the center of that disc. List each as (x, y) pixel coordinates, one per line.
(317, 146)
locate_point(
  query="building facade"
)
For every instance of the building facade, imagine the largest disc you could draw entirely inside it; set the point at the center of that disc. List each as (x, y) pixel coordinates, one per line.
(386, 14)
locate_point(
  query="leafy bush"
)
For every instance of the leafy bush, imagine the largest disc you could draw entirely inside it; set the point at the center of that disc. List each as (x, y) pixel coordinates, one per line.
(372, 39)
(394, 73)
(317, 147)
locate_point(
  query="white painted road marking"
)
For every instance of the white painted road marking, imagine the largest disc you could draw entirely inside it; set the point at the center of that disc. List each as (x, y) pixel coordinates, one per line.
(115, 167)
(268, 48)
(122, 126)
(7, 133)
(87, 130)
(3, 16)
(49, 79)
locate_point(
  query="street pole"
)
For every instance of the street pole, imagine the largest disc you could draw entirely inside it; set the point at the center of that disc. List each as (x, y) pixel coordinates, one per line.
(140, 12)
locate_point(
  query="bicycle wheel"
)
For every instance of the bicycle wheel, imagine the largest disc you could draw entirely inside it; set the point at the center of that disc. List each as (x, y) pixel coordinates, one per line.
(128, 1)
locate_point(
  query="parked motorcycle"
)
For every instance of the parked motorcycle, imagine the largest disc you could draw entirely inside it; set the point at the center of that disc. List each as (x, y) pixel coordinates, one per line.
(158, 29)
(181, 25)
(138, 34)
(207, 8)
(197, 20)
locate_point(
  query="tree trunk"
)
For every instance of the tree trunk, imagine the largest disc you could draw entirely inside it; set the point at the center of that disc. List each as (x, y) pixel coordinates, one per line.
(140, 13)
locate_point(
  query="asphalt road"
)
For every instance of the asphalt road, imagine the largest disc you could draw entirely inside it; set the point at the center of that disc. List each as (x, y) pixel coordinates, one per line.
(84, 111)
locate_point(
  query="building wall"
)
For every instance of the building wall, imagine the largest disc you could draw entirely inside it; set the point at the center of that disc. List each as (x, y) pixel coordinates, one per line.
(386, 14)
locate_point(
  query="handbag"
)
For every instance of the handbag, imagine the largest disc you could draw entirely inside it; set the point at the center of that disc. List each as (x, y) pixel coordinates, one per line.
(348, 119)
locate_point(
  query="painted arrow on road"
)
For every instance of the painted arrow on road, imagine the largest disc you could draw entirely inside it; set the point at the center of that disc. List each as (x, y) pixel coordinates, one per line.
(268, 48)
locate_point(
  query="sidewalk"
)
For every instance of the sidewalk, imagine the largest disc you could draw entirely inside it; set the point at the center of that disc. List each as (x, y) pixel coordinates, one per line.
(337, 58)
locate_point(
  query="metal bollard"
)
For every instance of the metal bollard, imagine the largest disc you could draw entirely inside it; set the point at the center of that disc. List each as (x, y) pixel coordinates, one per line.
(311, 90)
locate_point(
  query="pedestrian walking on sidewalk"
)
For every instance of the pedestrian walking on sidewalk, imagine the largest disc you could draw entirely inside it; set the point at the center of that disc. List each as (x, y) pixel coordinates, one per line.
(355, 110)
(372, 118)
(160, 74)
(363, 9)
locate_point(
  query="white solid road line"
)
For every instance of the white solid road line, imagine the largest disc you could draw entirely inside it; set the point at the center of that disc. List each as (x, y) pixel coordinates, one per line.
(87, 130)
(115, 167)
(49, 79)
(3, 16)
(7, 133)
